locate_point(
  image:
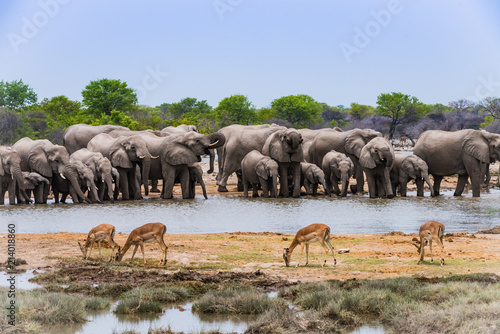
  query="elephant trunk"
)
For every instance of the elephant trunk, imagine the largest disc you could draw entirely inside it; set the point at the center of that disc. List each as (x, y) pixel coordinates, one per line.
(428, 181)
(72, 176)
(108, 182)
(93, 191)
(344, 182)
(217, 139)
(146, 166)
(17, 175)
(323, 184)
(387, 183)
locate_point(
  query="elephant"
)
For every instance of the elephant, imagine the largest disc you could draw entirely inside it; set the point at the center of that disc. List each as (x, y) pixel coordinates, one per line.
(48, 160)
(409, 167)
(337, 167)
(309, 134)
(376, 158)
(181, 152)
(86, 182)
(32, 180)
(101, 168)
(11, 177)
(258, 169)
(349, 142)
(125, 153)
(196, 176)
(240, 140)
(285, 146)
(183, 128)
(78, 136)
(311, 177)
(462, 152)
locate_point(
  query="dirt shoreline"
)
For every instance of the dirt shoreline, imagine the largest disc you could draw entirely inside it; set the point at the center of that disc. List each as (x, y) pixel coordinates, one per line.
(371, 256)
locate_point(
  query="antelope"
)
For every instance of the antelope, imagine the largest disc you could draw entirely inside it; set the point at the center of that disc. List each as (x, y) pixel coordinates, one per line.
(429, 231)
(312, 233)
(144, 234)
(99, 233)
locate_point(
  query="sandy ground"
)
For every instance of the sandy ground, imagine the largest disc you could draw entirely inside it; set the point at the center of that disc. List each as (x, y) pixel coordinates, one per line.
(370, 255)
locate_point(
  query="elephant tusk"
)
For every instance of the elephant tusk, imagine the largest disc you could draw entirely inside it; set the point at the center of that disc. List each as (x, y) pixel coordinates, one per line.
(142, 157)
(155, 156)
(62, 176)
(214, 143)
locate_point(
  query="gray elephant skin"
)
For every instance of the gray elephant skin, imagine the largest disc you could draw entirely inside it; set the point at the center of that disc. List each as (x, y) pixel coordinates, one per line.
(285, 146)
(311, 177)
(11, 176)
(240, 140)
(348, 142)
(258, 169)
(48, 160)
(337, 167)
(85, 181)
(376, 158)
(79, 135)
(196, 177)
(463, 152)
(125, 153)
(181, 152)
(101, 168)
(406, 168)
(32, 180)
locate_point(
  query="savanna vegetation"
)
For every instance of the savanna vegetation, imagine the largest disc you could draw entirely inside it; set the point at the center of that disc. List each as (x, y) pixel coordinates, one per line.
(111, 101)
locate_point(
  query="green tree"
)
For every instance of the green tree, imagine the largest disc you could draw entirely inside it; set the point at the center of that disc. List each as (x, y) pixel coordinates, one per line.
(16, 94)
(104, 95)
(360, 111)
(400, 108)
(61, 110)
(189, 106)
(300, 110)
(236, 109)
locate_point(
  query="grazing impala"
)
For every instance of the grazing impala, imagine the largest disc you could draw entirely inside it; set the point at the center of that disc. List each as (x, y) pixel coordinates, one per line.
(429, 231)
(98, 234)
(312, 233)
(144, 234)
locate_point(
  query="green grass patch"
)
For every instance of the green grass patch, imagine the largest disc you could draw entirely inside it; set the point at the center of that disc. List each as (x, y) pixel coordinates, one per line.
(96, 304)
(236, 301)
(137, 305)
(161, 293)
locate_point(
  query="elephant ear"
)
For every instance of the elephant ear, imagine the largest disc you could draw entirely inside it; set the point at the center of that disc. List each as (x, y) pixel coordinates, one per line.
(476, 144)
(354, 143)
(365, 158)
(275, 147)
(118, 156)
(178, 154)
(38, 161)
(2, 173)
(408, 167)
(334, 165)
(261, 170)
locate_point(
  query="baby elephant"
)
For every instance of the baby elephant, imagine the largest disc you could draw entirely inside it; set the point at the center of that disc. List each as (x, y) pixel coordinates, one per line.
(256, 169)
(409, 167)
(311, 177)
(337, 168)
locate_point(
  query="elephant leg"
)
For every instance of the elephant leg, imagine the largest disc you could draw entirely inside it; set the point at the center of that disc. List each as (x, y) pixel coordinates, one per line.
(38, 194)
(462, 181)
(185, 182)
(372, 184)
(154, 186)
(265, 185)
(283, 173)
(245, 185)
(420, 186)
(12, 193)
(2, 193)
(476, 173)
(360, 179)
(315, 189)
(386, 179)
(168, 183)
(124, 186)
(229, 168)
(437, 184)
(296, 179)
(255, 191)
(335, 183)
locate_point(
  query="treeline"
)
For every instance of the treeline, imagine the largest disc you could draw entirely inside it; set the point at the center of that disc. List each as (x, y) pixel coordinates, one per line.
(108, 101)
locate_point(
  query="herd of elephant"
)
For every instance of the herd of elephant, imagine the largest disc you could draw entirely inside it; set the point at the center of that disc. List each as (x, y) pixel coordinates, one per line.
(263, 156)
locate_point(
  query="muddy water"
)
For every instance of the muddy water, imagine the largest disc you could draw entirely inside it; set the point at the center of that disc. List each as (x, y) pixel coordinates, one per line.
(358, 214)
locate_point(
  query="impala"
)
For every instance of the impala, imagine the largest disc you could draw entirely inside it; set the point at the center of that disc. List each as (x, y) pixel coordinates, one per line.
(312, 233)
(98, 234)
(430, 231)
(144, 234)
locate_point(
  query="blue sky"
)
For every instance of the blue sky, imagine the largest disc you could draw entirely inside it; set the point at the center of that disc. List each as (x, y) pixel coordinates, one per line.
(338, 52)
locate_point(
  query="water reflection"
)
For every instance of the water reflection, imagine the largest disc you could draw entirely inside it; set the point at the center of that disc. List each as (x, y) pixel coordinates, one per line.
(22, 278)
(235, 213)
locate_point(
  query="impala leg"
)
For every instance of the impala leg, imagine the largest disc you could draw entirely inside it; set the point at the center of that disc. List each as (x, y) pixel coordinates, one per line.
(307, 254)
(439, 241)
(329, 244)
(99, 244)
(430, 247)
(422, 244)
(133, 254)
(91, 246)
(143, 256)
